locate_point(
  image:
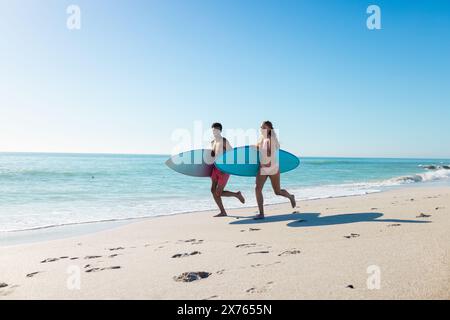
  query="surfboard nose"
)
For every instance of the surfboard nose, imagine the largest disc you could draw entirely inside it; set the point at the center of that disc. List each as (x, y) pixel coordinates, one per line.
(169, 163)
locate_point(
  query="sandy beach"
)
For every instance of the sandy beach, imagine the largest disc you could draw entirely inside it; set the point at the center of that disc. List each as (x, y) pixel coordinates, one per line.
(324, 249)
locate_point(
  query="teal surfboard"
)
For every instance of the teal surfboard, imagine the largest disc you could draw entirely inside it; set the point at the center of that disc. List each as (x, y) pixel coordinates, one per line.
(244, 161)
(195, 163)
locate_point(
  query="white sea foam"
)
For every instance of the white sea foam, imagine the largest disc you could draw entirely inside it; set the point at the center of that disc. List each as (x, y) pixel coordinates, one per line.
(362, 188)
(428, 176)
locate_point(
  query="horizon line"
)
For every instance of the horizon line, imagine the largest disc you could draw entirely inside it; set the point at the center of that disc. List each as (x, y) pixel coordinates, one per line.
(168, 154)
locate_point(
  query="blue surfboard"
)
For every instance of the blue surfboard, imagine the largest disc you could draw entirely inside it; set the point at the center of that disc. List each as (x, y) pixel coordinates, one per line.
(195, 163)
(244, 161)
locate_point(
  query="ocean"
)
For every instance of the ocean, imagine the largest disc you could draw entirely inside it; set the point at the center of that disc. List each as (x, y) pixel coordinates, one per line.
(40, 190)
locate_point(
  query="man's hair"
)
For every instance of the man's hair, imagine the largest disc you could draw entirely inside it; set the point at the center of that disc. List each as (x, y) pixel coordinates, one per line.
(217, 125)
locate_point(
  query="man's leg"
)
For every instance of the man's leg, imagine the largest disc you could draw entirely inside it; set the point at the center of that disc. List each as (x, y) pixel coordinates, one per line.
(237, 195)
(214, 190)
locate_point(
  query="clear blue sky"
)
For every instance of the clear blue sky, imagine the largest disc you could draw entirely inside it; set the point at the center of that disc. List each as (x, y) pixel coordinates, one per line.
(137, 70)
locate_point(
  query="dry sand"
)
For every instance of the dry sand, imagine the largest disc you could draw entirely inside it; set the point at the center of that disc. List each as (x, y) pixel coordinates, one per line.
(323, 252)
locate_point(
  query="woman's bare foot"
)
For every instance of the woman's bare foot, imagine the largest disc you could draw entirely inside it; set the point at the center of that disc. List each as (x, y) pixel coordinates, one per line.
(222, 214)
(240, 197)
(259, 216)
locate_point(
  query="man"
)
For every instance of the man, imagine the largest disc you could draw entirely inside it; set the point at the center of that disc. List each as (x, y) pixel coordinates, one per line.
(219, 179)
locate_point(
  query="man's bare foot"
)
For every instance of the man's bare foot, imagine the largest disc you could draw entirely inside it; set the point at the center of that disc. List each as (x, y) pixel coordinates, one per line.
(240, 197)
(222, 214)
(259, 216)
(293, 202)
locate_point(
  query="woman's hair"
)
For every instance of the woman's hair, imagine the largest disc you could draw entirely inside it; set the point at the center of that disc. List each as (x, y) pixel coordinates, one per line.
(270, 125)
(271, 134)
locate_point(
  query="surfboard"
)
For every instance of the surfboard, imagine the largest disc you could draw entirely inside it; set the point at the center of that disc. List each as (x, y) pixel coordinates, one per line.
(195, 163)
(244, 161)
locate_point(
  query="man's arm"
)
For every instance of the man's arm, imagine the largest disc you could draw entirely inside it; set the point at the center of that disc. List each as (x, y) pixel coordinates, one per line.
(228, 145)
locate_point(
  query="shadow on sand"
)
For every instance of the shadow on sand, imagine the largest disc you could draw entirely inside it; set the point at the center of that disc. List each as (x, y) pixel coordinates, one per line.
(315, 220)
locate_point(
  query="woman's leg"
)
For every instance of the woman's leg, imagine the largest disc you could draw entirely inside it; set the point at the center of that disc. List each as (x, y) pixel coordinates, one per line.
(260, 181)
(275, 180)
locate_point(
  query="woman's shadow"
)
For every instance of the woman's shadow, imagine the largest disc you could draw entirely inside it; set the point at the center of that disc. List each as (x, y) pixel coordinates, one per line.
(315, 220)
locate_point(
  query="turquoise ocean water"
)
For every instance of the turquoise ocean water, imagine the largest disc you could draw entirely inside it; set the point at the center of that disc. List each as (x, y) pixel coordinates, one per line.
(45, 190)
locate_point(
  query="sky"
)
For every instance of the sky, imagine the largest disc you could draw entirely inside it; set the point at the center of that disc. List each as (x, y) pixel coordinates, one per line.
(137, 72)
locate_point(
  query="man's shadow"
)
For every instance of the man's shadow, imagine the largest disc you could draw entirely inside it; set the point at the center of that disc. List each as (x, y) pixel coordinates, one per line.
(315, 220)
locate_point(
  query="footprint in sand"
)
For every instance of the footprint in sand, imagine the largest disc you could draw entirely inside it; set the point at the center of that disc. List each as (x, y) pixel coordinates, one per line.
(156, 244)
(92, 257)
(264, 265)
(212, 297)
(289, 252)
(53, 259)
(350, 286)
(7, 289)
(260, 290)
(257, 252)
(183, 255)
(32, 274)
(352, 235)
(220, 271)
(246, 245)
(192, 276)
(113, 255)
(49, 260)
(394, 225)
(423, 215)
(101, 269)
(192, 241)
(251, 229)
(115, 249)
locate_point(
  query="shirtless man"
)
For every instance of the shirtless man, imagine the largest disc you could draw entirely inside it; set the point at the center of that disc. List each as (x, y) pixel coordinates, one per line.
(218, 178)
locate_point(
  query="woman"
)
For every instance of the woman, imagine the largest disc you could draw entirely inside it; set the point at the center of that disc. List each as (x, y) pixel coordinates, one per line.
(268, 147)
